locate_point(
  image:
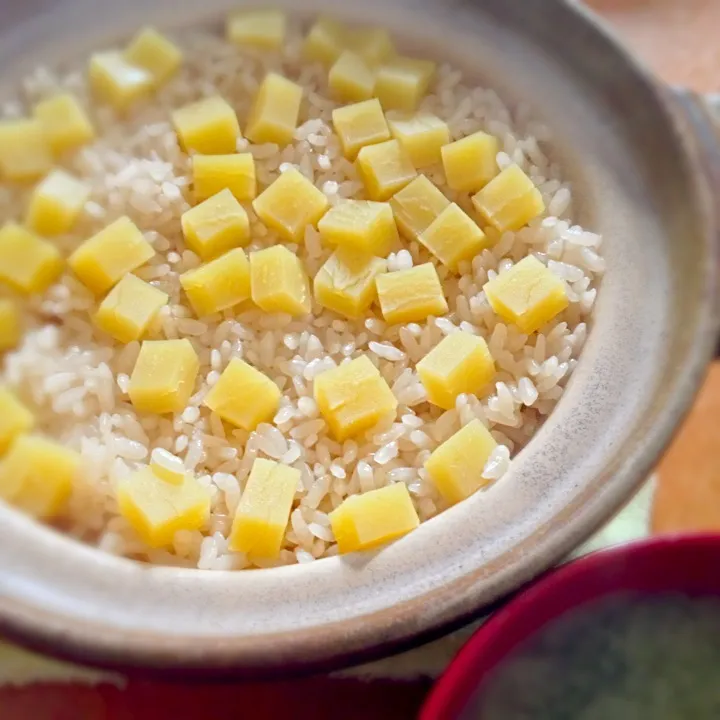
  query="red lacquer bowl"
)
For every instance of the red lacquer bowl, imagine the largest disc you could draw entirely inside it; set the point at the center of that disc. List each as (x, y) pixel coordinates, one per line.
(684, 564)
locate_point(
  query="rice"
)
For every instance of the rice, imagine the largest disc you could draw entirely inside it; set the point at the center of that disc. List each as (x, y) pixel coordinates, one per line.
(76, 379)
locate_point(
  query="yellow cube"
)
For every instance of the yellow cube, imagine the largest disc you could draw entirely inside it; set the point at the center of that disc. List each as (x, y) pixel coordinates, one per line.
(209, 126)
(25, 153)
(402, 82)
(218, 285)
(416, 206)
(37, 475)
(359, 125)
(453, 237)
(459, 363)
(289, 204)
(363, 522)
(274, 113)
(216, 225)
(262, 29)
(264, 510)
(156, 509)
(510, 200)
(351, 79)
(385, 169)
(129, 309)
(325, 41)
(65, 122)
(243, 396)
(163, 378)
(10, 325)
(115, 251)
(372, 44)
(470, 163)
(422, 135)
(360, 225)
(27, 263)
(167, 467)
(155, 53)
(213, 173)
(279, 282)
(118, 82)
(411, 295)
(353, 397)
(456, 466)
(56, 203)
(15, 418)
(528, 294)
(346, 282)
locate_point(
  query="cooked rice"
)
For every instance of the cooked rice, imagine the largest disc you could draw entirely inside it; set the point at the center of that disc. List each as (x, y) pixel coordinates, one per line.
(76, 378)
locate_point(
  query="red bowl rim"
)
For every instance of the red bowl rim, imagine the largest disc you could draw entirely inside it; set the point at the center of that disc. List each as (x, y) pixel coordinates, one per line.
(669, 563)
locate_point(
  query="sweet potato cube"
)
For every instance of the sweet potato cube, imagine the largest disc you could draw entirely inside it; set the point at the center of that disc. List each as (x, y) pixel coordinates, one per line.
(65, 122)
(416, 206)
(129, 309)
(528, 294)
(363, 522)
(360, 225)
(359, 125)
(15, 418)
(163, 378)
(346, 282)
(470, 163)
(262, 515)
(350, 78)
(459, 363)
(422, 135)
(290, 204)
(385, 169)
(261, 29)
(353, 397)
(325, 41)
(453, 237)
(216, 225)
(213, 173)
(510, 200)
(456, 466)
(218, 285)
(209, 126)
(411, 295)
(25, 152)
(402, 82)
(156, 509)
(116, 250)
(27, 263)
(372, 44)
(10, 325)
(243, 396)
(117, 81)
(155, 53)
(279, 282)
(274, 113)
(56, 203)
(37, 475)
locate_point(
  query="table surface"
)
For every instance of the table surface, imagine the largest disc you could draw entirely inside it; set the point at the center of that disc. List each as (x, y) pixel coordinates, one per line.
(678, 40)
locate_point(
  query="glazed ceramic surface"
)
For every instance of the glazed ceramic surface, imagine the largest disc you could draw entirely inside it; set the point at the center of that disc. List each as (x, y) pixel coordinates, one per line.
(642, 164)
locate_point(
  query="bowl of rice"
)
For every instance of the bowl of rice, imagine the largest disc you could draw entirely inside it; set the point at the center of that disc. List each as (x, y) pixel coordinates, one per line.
(626, 632)
(322, 330)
